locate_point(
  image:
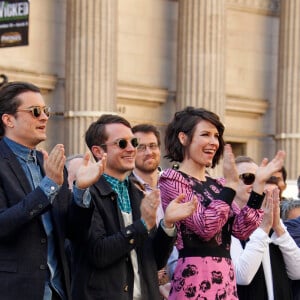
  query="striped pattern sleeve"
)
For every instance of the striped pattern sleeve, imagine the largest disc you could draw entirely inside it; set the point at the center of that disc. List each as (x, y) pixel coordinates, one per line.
(246, 221)
(206, 221)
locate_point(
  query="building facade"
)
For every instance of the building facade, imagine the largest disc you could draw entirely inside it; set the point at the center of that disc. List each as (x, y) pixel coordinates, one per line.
(145, 59)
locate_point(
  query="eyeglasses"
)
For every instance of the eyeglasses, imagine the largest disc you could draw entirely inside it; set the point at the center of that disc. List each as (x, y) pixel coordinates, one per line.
(122, 143)
(247, 178)
(36, 111)
(143, 147)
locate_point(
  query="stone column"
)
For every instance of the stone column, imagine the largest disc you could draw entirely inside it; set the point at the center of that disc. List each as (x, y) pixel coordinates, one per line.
(288, 102)
(91, 58)
(201, 55)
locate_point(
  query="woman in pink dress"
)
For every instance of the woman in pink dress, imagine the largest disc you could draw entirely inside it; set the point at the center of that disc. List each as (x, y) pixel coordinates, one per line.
(204, 270)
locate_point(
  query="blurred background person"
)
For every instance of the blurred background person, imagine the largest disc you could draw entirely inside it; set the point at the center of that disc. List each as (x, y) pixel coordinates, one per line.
(290, 212)
(264, 262)
(145, 175)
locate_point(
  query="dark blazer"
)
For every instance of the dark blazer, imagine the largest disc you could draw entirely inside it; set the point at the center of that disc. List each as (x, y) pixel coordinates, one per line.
(104, 266)
(23, 241)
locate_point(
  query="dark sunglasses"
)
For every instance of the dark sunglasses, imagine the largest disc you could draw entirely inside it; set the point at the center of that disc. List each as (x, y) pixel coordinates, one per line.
(247, 178)
(36, 111)
(122, 143)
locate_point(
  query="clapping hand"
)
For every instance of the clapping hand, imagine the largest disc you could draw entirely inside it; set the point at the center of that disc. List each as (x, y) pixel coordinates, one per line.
(265, 171)
(149, 207)
(267, 207)
(54, 163)
(176, 210)
(89, 173)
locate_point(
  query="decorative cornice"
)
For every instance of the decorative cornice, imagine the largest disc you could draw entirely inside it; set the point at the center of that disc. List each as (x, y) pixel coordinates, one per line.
(265, 7)
(246, 106)
(139, 93)
(44, 81)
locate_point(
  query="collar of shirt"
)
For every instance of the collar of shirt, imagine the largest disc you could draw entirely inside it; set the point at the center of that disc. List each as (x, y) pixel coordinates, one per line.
(121, 188)
(21, 151)
(146, 185)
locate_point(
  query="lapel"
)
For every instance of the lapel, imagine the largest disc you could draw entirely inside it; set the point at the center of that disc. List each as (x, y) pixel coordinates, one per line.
(14, 166)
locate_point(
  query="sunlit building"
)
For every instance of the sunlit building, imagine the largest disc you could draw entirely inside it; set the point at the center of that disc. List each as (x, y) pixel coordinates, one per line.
(144, 59)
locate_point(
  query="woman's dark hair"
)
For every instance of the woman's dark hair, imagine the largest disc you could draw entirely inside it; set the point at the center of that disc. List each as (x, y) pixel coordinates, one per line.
(9, 101)
(186, 121)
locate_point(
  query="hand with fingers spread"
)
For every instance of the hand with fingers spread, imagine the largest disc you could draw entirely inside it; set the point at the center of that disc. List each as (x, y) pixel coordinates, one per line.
(177, 211)
(54, 163)
(266, 169)
(149, 207)
(229, 168)
(89, 173)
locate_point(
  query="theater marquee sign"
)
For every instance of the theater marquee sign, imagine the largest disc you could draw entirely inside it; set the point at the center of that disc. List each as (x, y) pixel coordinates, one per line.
(14, 23)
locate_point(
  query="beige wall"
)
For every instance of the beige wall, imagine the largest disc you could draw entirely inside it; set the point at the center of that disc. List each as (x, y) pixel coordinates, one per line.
(251, 75)
(147, 60)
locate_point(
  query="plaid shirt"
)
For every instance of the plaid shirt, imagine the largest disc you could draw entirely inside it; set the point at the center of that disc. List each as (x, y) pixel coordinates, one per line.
(121, 188)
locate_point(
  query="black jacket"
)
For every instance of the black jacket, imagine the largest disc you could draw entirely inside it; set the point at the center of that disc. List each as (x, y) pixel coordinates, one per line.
(23, 241)
(104, 270)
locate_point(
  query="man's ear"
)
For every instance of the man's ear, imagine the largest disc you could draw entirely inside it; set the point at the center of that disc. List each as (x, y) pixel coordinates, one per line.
(7, 120)
(97, 152)
(182, 138)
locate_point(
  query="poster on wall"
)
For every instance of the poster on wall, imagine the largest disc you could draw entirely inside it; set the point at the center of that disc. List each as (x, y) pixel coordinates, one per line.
(14, 23)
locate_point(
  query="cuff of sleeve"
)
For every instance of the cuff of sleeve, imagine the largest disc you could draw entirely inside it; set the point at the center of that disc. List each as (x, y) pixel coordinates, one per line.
(255, 200)
(82, 198)
(169, 231)
(145, 225)
(49, 187)
(227, 195)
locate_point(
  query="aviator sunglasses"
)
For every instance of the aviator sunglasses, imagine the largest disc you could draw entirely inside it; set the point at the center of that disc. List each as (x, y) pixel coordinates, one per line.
(122, 143)
(36, 111)
(247, 178)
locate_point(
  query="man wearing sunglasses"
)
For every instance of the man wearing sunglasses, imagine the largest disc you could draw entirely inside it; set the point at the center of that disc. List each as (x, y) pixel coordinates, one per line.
(124, 250)
(264, 263)
(37, 209)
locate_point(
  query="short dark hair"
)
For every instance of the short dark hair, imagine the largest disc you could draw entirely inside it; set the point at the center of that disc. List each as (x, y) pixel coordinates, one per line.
(186, 121)
(147, 128)
(9, 101)
(96, 134)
